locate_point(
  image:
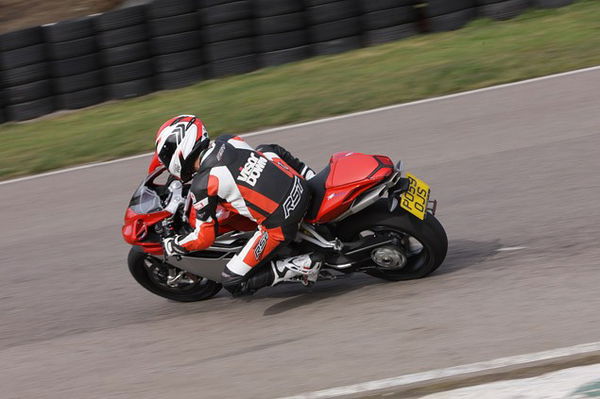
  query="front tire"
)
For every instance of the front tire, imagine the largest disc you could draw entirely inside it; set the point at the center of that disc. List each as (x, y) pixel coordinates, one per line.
(151, 274)
(429, 233)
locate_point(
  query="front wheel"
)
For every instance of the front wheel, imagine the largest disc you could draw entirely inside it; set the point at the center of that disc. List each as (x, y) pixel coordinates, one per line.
(422, 244)
(168, 281)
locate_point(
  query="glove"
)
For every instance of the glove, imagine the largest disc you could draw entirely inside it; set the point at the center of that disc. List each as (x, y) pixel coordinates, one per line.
(171, 247)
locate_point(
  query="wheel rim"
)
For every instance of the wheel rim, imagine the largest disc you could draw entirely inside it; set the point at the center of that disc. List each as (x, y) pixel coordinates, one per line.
(416, 252)
(171, 278)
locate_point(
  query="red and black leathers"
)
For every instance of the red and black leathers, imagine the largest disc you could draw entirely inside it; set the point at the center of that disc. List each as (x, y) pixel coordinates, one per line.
(259, 185)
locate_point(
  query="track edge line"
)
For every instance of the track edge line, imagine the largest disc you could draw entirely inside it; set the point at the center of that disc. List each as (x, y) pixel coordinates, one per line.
(321, 120)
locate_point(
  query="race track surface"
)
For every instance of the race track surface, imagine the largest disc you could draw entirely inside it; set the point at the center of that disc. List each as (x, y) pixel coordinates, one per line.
(512, 167)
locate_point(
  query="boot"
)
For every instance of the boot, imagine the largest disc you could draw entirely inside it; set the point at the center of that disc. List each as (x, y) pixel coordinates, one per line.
(302, 268)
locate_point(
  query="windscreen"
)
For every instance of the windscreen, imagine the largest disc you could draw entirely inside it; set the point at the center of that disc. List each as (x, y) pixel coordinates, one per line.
(145, 200)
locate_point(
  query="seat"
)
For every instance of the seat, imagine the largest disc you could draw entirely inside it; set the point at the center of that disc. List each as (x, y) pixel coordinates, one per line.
(316, 186)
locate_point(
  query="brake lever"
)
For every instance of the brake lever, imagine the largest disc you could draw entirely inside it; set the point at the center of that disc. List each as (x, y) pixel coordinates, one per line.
(165, 228)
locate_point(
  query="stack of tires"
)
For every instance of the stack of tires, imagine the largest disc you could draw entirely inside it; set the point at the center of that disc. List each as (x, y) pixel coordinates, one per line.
(445, 15)
(228, 36)
(281, 36)
(24, 70)
(174, 27)
(551, 3)
(2, 100)
(501, 9)
(388, 20)
(334, 25)
(125, 52)
(75, 66)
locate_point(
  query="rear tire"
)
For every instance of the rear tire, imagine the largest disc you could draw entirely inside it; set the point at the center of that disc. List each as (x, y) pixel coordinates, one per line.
(202, 290)
(429, 233)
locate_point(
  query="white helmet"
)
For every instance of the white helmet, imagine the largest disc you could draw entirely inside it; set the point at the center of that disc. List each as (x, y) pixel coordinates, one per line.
(179, 143)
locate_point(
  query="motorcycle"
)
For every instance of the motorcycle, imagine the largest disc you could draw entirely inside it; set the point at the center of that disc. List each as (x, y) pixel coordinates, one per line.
(365, 216)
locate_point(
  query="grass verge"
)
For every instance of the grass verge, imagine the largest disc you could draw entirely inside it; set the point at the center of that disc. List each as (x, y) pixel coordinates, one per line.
(485, 53)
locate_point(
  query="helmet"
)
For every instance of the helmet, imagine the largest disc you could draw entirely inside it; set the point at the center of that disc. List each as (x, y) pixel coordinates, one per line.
(179, 143)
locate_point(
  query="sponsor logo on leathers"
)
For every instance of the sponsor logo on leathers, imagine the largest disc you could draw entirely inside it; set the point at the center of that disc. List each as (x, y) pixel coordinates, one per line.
(220, 152)
(262, 244)
(201, 204)
(292, 201)
(252, 169)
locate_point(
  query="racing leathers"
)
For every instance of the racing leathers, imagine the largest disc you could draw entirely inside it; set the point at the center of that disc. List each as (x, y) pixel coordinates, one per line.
(267, 186)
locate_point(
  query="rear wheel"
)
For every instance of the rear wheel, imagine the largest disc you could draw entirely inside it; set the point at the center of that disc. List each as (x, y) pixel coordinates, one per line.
(420, 245)
(169, 281)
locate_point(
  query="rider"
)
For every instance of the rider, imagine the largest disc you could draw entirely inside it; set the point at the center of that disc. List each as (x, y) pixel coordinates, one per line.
(266, 185)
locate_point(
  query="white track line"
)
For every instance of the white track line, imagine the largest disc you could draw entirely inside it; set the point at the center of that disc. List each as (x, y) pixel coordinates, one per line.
(324, 120)
(399, 382)
(506, 249)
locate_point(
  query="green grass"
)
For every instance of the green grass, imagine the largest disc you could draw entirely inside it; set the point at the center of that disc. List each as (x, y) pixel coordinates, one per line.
(484, 53)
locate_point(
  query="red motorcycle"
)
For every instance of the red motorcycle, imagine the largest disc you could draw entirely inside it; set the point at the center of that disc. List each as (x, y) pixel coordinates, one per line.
(365, 216)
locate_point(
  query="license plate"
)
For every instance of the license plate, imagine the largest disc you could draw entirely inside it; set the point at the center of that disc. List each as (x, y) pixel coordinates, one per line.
(416, 198)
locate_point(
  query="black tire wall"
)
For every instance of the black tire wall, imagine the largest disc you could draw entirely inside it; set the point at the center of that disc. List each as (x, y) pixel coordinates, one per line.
(168, 44)
(124, 49)
(501, 9)
(281, 34)
(233, 52)
(176, 43)
(75, 63)
(24, 69)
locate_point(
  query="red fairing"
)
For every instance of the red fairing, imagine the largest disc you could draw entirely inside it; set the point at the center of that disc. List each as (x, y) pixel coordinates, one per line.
(154, 163)
(136, 228)
(351, 174)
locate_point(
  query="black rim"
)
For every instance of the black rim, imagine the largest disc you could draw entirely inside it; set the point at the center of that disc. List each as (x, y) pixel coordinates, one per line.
(417, 252)
(158, 273)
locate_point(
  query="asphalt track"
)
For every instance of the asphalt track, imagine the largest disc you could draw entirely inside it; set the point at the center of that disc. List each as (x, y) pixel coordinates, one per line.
(512, 167)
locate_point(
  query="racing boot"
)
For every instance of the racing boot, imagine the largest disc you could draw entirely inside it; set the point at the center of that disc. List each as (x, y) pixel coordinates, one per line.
(302, 268)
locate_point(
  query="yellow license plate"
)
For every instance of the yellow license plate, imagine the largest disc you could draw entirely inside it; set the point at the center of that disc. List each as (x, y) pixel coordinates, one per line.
(416, 198)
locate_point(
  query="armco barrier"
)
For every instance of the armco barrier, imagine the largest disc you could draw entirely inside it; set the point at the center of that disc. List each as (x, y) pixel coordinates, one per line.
(167, 44)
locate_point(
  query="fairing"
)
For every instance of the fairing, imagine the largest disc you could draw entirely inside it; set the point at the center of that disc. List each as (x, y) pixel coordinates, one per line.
(146, 209)
(351, 174)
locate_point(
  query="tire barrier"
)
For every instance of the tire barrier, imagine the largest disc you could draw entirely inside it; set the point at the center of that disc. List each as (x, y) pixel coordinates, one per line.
(501, 9)
(334, 26)
(444, 15)
(24, 68)
(174, 27)
(74, 63)
(551, 3)
(233, 52)
(281, 36)
(168, 44)
(388, 20)
(125, 53)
